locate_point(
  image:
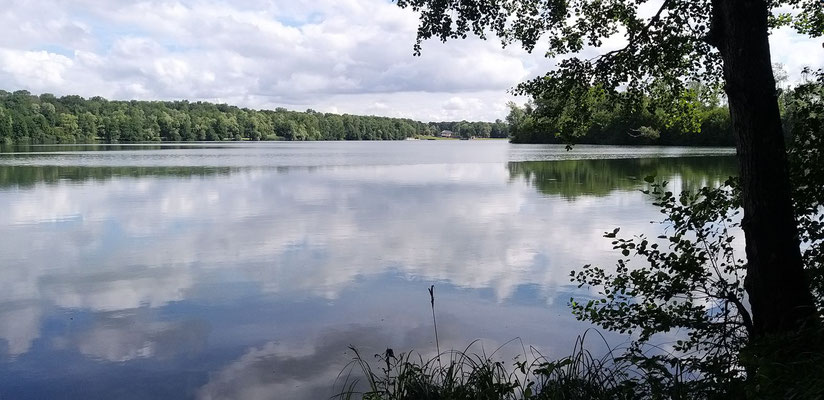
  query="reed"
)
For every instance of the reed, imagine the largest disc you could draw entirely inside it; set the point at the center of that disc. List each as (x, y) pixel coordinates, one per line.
(471, 373)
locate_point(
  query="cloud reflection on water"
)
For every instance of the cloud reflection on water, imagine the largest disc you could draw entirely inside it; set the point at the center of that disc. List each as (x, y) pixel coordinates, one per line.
(122, 245)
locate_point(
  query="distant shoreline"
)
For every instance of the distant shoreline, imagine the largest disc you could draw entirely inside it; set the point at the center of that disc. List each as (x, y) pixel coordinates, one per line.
(11, 147)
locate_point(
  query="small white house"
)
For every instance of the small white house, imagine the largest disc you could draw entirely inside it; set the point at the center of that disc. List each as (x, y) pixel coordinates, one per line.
(446, 133)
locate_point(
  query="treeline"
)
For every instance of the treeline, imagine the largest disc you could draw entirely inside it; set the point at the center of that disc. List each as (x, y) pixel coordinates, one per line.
(695, 117)
(465, 129)
(593, 116)
(27, 118)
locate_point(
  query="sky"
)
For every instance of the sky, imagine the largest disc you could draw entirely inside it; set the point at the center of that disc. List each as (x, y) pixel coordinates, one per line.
(343, 56)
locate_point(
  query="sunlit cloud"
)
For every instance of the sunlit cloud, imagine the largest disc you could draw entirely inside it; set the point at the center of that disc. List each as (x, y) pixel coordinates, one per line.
(341, 56)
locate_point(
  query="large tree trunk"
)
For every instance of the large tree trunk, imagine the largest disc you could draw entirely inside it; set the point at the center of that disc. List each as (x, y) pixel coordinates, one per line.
(778, 291)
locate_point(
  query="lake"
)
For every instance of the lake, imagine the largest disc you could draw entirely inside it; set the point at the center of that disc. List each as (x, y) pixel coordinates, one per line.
(245, 270)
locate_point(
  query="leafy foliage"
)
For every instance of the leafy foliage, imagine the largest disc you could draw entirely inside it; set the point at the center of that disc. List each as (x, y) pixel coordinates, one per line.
(686, 283)
(693, 117)
(666, 49)
(805, 114)
(689, 283)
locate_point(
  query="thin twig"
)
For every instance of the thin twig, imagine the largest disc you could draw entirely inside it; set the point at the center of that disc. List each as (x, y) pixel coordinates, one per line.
(435, 323)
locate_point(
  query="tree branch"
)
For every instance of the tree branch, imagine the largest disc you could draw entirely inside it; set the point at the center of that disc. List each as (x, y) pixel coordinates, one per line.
(644, 32)
(745, 315)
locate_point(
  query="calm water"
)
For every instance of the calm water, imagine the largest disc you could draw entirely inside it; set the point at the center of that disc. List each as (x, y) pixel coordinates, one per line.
(244, 271)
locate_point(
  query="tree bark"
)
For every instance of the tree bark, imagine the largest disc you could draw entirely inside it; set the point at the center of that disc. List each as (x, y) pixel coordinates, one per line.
(778, 291)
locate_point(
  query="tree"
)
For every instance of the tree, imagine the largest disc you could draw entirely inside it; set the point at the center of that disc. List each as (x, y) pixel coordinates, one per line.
(5, 126)
(689, 279)
(132, 125)
(111, 127)
(694, 118)
(683, 41)
(779, 294)
(805, 115)
(499, 129)
(49, 112)
(68, 129)
(87, 122)
(168, 130)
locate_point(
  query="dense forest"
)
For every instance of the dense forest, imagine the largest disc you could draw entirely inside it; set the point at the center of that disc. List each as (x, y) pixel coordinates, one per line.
(27, 118)
(594, 115)
(697, 117)
(464, 129)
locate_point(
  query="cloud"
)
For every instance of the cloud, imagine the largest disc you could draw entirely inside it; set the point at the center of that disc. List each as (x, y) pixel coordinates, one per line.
(39, 68)
(795, 52)
(19, 326)
(115, 245)
(326, 55)
(305, 365)
(124, 336)
(315, 366)
(323, 55)
(295, 371)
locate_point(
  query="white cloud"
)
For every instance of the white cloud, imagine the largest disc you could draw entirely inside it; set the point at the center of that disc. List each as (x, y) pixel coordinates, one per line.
(795, 52)
(127, 336)
(327, 55)
(19, 326)
(38, 68)
(117, 245)
(347, 55)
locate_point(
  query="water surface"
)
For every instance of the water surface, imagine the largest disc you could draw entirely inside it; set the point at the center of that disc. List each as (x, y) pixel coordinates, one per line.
(245, 270)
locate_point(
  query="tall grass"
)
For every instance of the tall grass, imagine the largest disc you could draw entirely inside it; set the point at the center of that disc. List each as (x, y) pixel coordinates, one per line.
(468, 374)
(472, 374)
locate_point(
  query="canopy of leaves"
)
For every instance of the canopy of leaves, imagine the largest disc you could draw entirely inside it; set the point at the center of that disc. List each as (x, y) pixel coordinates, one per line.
(688, 281)
(664, 41)
(597, 118)
(805, 117)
